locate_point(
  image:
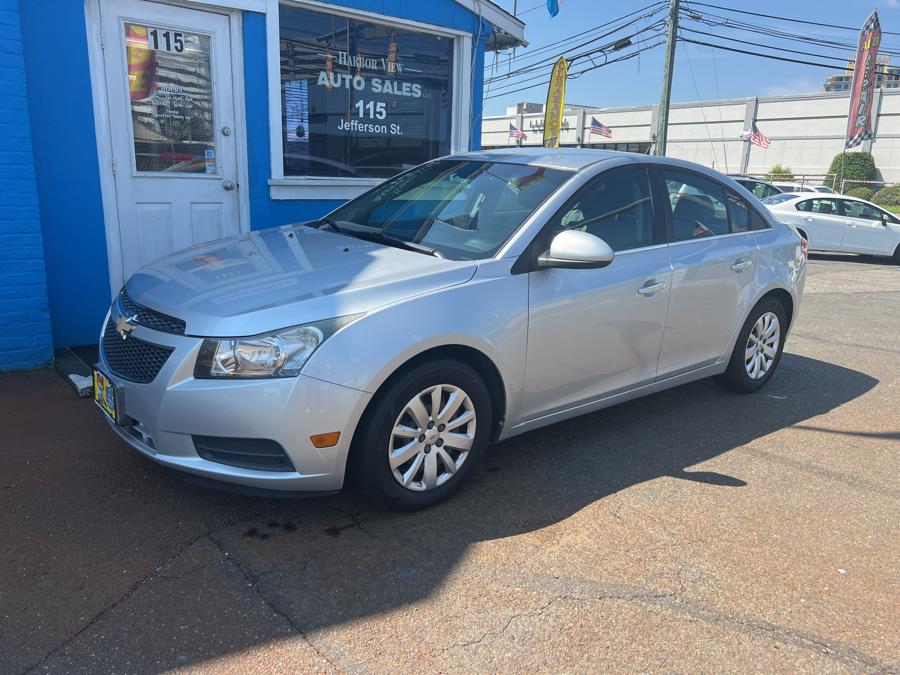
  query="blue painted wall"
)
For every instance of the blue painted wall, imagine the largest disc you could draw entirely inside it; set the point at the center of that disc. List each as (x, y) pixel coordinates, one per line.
(25, 339)
(65, 160)
(67, 168)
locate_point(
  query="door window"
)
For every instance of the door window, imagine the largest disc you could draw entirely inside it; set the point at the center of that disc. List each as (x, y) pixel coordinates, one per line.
(826, 207)
(170, 92)
(697, 206)
(616, 208)
(738, 213)
(860, 210)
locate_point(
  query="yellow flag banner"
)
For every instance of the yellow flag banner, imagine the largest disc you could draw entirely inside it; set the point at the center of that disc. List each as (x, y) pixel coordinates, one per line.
(556, 96)
(141, 62)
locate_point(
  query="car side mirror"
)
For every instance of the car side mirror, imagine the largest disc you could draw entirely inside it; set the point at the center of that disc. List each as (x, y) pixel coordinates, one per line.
(885, 219)
(574, 249)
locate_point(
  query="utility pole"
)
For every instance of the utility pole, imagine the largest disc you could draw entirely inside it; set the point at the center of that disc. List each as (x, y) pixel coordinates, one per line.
(668, 67)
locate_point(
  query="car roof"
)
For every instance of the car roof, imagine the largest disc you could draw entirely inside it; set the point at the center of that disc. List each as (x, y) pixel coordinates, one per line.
(802, 196)
(576, 159)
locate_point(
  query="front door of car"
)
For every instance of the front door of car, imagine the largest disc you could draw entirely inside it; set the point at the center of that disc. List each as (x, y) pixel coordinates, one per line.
(865, 231)
(592, 332)
(714, 257)
(822, 222)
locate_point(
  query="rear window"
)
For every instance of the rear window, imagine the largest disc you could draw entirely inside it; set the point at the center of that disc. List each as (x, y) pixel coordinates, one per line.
(777, 199)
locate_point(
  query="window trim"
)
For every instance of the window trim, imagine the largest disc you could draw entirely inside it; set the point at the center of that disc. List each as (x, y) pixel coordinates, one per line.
(838, 203)
(670, 223)
(328, 187)
(841, 202)
(527, 260)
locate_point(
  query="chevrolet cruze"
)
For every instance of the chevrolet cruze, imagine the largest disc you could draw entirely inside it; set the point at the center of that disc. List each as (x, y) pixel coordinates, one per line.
(465, 301)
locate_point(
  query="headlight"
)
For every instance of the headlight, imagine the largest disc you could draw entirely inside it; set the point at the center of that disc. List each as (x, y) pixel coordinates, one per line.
(281, 353)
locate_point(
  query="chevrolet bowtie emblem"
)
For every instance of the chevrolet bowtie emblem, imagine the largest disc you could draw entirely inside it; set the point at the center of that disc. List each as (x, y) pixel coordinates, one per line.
(124, 326)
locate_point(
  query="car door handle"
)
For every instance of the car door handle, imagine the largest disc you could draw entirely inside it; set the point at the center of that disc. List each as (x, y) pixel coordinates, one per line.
(652, 287)
(808, 218)
(741, 264)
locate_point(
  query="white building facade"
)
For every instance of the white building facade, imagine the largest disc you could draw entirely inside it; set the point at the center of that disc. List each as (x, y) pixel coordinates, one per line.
(806, 131)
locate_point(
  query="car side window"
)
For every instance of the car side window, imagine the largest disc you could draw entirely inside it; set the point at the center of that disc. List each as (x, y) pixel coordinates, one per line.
(738, 213)
(616, 207)
(826, 207)
(769, 191)
(860, 210)
(757, 222)
(697, 206)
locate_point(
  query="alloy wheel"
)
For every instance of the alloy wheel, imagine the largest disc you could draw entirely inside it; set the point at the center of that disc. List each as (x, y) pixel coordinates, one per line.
(762, 346)
(432, 437)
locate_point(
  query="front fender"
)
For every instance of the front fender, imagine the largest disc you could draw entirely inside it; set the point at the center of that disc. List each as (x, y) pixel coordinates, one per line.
(489, 313)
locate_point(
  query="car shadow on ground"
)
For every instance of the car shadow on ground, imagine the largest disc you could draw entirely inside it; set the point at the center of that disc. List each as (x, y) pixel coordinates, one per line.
(856, 258)
(328, 561)
(373, 561)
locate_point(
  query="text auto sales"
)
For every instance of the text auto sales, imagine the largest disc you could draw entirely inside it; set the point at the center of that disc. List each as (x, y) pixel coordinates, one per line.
(369, 113)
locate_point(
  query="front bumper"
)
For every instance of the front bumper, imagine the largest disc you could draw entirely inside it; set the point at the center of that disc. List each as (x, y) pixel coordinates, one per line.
(164, 416)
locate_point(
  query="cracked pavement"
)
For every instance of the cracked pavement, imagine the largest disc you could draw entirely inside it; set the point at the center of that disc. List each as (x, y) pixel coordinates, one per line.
(692, 530)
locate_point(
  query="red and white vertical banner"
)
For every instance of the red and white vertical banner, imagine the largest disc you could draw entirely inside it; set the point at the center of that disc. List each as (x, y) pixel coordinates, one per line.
(860, 126)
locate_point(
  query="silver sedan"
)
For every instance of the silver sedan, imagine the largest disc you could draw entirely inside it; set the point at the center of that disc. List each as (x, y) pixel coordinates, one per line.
(465, 301)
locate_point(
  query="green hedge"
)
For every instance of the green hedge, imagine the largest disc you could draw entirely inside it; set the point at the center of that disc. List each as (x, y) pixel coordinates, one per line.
(861, 192)
(889, 196)
(857, 166)
(780, 173)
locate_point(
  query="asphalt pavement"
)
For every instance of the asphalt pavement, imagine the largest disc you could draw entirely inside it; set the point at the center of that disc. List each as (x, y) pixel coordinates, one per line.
(693, 530)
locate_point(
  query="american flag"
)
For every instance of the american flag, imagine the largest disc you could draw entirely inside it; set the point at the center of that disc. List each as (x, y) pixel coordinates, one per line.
(516, 133)
(755, 136)
(597, 127)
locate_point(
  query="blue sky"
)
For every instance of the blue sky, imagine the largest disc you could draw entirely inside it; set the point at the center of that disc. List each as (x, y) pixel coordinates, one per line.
(718, 74)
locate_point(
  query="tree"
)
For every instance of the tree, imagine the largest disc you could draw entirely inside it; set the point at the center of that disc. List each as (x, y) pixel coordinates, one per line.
(780, 173)
(851, 168)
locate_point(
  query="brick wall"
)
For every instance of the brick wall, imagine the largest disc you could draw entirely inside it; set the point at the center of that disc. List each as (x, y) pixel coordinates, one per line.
(25, 339)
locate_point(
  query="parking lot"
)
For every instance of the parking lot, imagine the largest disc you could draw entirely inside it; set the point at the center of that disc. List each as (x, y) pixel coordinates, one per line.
(692, 530)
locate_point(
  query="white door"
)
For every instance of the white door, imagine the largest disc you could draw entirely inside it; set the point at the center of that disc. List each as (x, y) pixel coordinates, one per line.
(168, 77)
(867, 231)
(823, 223)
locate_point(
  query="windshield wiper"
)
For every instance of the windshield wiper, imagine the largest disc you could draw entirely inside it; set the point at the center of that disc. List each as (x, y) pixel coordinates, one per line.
(409, 245)
(374, 234)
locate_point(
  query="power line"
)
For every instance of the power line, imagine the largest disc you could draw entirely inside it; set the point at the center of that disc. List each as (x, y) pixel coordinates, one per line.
(758, 44)
(560, 44)
(768, 56)
(783, 18)
(511, 87)
(586, 54)
(714, 20)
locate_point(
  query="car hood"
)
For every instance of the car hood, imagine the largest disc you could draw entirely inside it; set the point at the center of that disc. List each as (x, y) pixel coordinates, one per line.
(285, 276)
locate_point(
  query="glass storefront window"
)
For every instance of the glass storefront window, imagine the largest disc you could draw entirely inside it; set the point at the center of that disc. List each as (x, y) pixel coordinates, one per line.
(170, 89)
(361, 99)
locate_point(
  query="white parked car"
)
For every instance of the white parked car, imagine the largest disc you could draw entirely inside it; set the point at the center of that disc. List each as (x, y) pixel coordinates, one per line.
(839, 223)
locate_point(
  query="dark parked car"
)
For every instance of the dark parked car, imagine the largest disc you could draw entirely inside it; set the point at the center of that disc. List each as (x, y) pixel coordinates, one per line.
(760, 188)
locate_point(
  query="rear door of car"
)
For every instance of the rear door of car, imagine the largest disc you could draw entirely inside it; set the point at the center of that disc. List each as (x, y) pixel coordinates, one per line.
(714, 256)
(593, 332)
(866, 231)
(821, 219)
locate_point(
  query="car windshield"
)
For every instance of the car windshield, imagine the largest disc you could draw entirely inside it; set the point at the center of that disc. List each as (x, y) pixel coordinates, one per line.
(777, 199)
(457, 209)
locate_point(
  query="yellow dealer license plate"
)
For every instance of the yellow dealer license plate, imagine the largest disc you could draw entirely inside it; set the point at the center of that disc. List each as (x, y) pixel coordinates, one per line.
(105, 395)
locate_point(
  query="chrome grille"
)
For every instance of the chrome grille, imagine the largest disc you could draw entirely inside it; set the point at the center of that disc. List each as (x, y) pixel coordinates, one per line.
(144, 316)
(132, 359)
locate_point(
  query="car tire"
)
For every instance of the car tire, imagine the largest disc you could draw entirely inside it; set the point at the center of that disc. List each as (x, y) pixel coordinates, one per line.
(896, 256)
(386, 451)
(756, 356)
